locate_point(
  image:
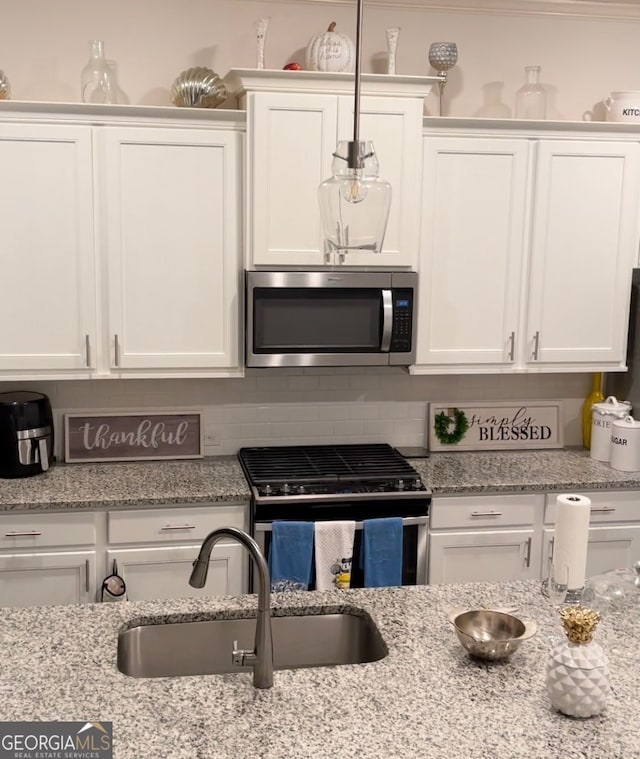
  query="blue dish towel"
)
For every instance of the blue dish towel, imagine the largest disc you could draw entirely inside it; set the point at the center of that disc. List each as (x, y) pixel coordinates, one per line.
(382, 552)
(290, 555)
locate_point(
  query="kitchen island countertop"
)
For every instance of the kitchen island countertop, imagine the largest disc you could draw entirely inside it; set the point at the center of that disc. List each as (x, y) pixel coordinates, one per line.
(427, 699)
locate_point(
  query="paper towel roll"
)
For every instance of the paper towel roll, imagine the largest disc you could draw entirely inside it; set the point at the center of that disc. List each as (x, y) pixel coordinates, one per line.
(571, 537)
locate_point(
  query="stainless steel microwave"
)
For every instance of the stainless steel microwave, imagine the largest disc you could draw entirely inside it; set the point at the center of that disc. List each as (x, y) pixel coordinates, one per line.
(330, 318)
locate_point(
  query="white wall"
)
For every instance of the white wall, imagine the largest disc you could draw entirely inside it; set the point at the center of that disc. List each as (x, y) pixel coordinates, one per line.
(44, 45)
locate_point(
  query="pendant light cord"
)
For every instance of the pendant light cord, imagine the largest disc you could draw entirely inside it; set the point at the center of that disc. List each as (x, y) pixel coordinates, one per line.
(356, 103)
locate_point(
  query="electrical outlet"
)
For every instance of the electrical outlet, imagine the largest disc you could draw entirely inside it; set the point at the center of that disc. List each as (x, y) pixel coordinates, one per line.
(211, 438)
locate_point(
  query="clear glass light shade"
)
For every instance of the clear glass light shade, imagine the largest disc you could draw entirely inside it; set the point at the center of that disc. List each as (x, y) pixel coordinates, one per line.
(354, 202)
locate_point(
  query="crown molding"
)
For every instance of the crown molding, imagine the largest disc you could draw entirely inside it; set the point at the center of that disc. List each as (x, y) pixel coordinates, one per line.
(603, 9)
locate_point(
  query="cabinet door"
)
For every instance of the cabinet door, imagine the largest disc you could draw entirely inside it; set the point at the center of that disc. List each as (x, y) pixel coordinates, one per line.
(172, 203)
(608, 548)
(48, 304)
(473, 220)
(159, 573)
(291, 139)
(482, 556)
(585, 233)
(37, 579)
(394, 125)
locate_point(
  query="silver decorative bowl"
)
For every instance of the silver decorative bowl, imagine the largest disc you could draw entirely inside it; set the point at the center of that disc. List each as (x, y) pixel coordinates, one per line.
(5, 89)
(198, 87)
(488, 634)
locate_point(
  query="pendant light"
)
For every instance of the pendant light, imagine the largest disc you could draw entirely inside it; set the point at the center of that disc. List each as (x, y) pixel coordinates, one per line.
(355, 201)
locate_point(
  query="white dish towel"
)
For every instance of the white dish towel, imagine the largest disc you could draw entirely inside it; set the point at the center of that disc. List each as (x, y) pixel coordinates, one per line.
(333, 543)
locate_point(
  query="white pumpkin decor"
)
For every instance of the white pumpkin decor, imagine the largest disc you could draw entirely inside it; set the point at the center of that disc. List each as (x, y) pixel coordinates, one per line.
(331, 51)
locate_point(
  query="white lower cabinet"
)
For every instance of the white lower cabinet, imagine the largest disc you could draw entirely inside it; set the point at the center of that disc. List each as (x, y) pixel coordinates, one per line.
(484, 538)
(159, 573)
(614, 532)
(63, 558)
(47, 558)
(43, 578)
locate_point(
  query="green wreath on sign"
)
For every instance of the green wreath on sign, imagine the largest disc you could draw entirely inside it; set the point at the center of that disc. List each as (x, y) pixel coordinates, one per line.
(443, 422)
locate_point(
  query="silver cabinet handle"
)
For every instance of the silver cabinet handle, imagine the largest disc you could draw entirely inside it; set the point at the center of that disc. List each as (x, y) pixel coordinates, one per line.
(486, 513)
(168, 527)
(602, 509)
(512, 346)
(527, 560)
(536, 345)
(25, 534)
(87, 350)
(117, 350)
(86, 575)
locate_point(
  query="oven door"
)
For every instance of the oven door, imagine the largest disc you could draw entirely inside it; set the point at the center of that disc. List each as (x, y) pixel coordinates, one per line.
(414, 549)
(329, 318)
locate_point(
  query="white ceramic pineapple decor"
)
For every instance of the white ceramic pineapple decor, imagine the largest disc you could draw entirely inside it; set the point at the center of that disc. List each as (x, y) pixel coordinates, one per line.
(578, 669)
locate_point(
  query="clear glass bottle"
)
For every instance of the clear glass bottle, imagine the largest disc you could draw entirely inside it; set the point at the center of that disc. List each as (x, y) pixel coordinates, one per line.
(531, 98)
(96, 80)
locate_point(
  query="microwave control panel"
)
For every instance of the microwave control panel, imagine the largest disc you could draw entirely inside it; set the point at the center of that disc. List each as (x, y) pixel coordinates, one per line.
(402, 321)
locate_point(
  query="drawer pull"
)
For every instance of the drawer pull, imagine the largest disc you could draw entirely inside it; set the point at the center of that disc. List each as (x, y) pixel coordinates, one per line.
(27, 533)
(169, 527)
(86, 575)
(527, 560)
(486, 513)
(602, 509)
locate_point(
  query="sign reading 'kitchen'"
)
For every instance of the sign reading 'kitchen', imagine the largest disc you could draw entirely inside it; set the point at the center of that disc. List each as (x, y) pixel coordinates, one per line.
(495, 426)
(133, 437)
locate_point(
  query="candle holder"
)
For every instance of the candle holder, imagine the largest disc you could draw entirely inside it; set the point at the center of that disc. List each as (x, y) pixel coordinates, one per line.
(443, 56)
(262, 25)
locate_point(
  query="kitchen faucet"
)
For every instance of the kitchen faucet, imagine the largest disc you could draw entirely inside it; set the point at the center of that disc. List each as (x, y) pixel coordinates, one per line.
(261, 658)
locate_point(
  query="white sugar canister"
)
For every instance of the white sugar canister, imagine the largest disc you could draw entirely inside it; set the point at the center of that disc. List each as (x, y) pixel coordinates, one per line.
(602, 416)
(625, 444)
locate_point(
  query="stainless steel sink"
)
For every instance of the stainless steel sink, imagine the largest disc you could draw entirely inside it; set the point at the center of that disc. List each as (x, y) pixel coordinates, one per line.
(176, 649)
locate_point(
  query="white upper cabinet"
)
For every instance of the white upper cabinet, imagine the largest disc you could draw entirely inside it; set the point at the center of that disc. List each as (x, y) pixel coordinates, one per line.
(172, 248)
(527, 248)
(47, 309)
(473, 224)
(293, 125)
(584, 243)
(121, 243)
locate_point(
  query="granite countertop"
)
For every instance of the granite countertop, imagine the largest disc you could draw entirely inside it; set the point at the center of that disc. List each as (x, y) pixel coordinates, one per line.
(117, 485)
(427, 699)
(520, 471)
(220, 479)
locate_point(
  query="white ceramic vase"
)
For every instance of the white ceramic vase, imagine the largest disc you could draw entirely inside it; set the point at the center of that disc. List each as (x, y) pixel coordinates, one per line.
(578, 678)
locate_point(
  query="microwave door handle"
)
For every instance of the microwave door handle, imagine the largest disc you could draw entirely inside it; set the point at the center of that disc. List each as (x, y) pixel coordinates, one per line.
(387, 321)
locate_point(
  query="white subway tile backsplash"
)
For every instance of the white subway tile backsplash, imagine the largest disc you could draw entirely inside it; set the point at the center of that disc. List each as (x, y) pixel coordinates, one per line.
(322, 405)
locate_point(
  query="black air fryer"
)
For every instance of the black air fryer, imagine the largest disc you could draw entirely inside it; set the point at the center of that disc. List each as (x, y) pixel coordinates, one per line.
(26, 434)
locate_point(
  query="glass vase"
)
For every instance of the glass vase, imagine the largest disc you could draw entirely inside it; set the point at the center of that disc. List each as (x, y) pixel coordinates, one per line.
(97, 83)
(531, 98)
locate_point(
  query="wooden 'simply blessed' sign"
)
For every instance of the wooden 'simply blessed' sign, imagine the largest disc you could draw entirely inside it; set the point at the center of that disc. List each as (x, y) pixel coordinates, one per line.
(133, 437)
(495, 426)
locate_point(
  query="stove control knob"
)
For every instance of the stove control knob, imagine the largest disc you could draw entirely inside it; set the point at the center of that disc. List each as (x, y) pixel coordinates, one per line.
(286, 488)
(301, 489)
(267, 490)
(417, 484)
(400, 485)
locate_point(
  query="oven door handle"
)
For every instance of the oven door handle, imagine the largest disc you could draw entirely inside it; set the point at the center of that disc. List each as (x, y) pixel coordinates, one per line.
(406, 522)
(387, 321)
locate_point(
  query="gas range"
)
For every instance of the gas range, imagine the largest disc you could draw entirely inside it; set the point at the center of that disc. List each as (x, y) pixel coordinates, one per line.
(330, 472)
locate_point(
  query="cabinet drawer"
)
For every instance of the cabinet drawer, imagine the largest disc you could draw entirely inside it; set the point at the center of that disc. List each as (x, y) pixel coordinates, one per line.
(36, 530)
(484, 511)
(606, 506)
(172, 524)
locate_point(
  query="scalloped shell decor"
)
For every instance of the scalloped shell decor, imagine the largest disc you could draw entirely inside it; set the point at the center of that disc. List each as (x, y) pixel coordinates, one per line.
(198, 87)
(5, 89)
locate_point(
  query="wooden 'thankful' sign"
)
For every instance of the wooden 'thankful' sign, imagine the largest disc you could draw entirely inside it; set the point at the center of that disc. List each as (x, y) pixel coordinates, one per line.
(133, 437)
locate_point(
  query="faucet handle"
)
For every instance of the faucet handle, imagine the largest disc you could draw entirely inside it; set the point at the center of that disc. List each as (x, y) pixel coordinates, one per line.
(242, 657)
